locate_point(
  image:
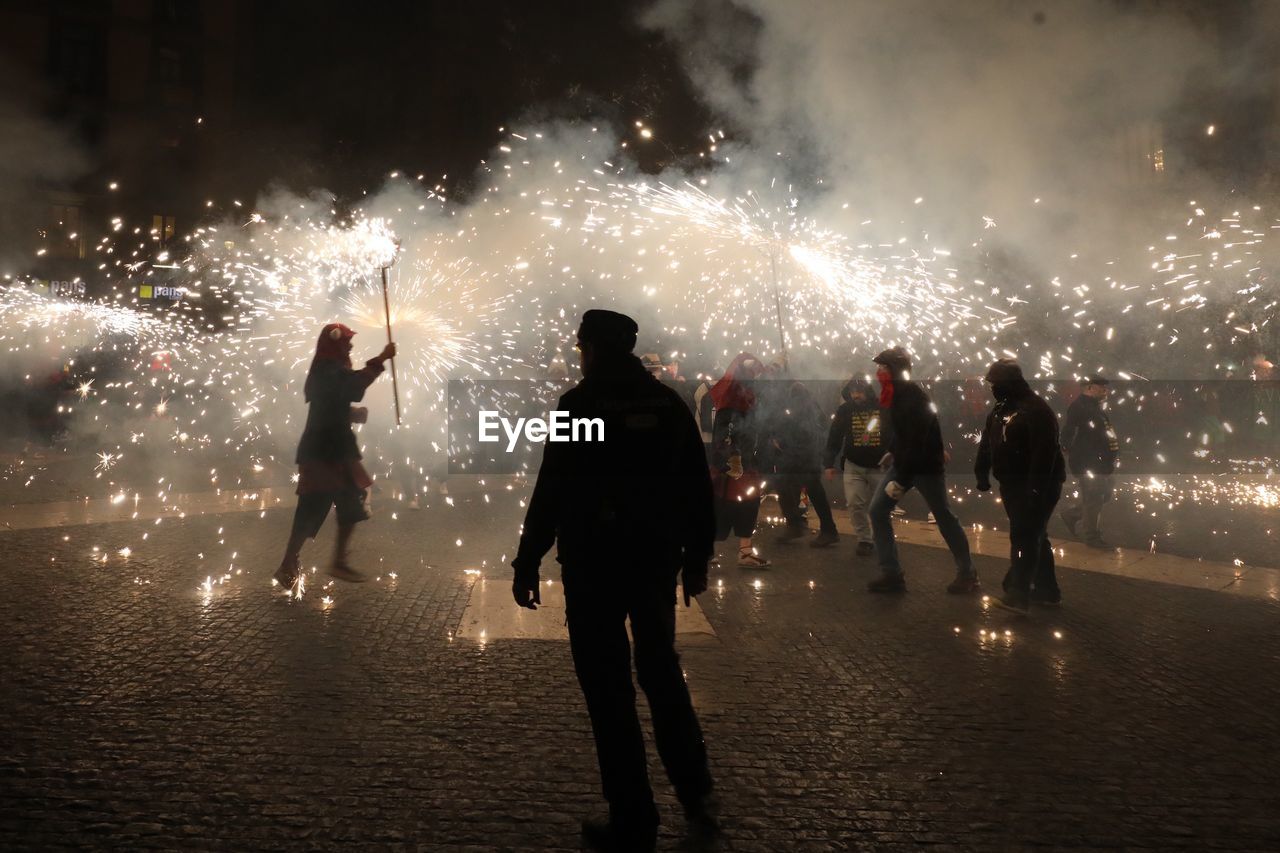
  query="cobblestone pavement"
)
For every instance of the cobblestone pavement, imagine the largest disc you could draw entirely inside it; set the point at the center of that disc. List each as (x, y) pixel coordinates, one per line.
(168, 699)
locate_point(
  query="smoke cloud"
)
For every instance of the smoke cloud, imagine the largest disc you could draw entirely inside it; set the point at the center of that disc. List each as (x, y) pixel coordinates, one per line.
(979, 108)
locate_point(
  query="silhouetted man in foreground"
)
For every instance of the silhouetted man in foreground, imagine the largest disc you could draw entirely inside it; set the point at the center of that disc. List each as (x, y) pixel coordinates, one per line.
(1020, 446)
(629, 514)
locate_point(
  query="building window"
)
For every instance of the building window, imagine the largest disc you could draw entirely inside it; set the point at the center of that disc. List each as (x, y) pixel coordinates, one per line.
(163, 227)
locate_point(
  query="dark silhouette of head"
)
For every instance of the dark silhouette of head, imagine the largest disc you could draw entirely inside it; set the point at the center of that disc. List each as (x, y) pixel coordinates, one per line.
(604, 336)
(1006, 379)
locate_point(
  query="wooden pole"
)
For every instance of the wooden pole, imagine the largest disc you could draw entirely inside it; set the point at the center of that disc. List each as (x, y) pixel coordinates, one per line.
(386, 307)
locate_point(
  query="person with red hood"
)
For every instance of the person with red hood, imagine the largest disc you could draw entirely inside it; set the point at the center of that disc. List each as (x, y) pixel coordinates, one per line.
(735, 468)
(329, 469)
(916, 459)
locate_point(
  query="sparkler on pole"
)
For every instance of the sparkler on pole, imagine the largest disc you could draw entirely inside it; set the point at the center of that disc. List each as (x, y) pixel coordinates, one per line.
(386, 305)
(777, 301)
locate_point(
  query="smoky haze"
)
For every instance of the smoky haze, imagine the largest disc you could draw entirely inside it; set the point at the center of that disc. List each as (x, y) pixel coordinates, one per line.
(978, 107)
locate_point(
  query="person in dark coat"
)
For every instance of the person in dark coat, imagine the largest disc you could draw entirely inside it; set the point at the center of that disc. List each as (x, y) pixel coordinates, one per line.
(796, 434)
(630, 514)
(736, 467)
(856, 442)
(916, 459)
(1091, 446)
(329, 471)
(1019, 446)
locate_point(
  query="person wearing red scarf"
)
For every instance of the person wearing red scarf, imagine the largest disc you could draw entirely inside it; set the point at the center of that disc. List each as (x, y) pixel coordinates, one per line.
(329, 471)
(735, 471)
(916, 459)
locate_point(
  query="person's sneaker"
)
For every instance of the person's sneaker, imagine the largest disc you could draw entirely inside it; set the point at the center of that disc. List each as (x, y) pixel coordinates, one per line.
(929, 519)
(865, 549)
(344, 572)
(1100, 544)
(1071, 524)
(888, 583)
(793, 531)
(1046, 599)
(752, 560)
(964, 585)
(824, 538)
(604, 836)
(1013, 602)
(287, 575)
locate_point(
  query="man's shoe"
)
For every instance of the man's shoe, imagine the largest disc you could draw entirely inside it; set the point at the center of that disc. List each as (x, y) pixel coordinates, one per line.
(888, 583)
(1046, 599)
(825, 538)
(793, 531)
(1071, 524)
(865, 549)
(344, 572)
(1100, 543)
(605, 836)
(1013, 602)
(964, 585)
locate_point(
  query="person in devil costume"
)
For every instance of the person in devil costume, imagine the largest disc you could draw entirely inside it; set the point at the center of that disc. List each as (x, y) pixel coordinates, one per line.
(329, 471)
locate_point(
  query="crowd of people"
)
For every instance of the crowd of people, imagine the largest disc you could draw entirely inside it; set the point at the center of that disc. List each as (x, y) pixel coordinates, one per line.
(709, 458)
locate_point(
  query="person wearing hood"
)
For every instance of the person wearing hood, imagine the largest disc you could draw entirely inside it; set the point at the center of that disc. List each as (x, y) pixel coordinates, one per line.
(329, 471)
(631, 515)
(1019, 446)
(795, 435)
(735, 457)
(1091, 446)
(856, 442)
(916, 459)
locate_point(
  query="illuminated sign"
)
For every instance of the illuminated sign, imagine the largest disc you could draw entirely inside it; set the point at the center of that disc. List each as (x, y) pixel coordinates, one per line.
(147, 291)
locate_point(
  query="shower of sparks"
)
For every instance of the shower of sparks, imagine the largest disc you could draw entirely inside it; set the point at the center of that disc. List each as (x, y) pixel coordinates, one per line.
(493, 288)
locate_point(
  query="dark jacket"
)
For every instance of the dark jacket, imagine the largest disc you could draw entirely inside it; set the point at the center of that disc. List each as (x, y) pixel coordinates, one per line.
(1020, 442)
(795, 429)
(916, 436)
(330, 390)
(1088, 438)
(637, 502)
(704, 410)
(859, 433)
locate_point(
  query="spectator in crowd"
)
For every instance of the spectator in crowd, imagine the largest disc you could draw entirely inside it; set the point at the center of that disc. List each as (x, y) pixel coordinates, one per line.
(620, 562)
(1091, 446)
(795, 435)
(856, 442)
(1019, 446)
(916, 459)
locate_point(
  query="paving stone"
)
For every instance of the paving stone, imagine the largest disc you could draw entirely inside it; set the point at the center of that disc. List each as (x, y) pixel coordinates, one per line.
(143, 710)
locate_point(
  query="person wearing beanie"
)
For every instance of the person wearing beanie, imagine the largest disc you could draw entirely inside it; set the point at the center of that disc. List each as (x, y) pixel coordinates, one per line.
(856, 442)
(1091, 446)
(329, 471)
(916, 459)
(1019, 446)
(631, 515)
